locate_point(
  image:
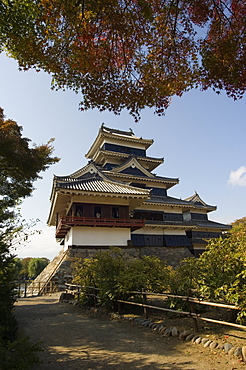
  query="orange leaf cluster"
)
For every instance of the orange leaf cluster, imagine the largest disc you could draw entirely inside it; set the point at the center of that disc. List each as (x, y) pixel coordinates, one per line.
(131, 53)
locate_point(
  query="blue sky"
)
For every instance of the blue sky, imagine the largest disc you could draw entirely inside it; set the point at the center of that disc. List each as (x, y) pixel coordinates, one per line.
(202, 138)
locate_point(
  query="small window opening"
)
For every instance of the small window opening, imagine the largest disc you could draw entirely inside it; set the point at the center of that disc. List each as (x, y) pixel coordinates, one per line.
(97, 212)
(115, 212)
(79, 211)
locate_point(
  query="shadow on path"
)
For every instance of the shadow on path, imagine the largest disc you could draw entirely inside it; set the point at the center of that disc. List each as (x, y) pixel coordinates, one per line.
(73, 340)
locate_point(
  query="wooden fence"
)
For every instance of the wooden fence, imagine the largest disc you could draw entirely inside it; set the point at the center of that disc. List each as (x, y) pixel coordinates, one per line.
(77, 290)
(29, 288)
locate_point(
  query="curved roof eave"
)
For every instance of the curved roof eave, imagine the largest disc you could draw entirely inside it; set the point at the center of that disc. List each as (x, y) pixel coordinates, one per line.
(105, 132)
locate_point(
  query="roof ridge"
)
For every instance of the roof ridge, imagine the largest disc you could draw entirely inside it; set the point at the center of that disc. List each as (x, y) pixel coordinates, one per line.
(117, 131)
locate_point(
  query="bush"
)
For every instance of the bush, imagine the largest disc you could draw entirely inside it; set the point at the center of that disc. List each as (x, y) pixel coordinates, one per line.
(115, 274)
(8, 324)
(219, 274)
(20, 354)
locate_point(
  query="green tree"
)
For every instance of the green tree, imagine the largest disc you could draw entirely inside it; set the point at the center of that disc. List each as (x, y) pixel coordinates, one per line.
(36, 266)
(20, 166)
(24, 268)
(130, 53)
(16, 177)
(17, 266)
(8, 325)
(220, 272)
(116, 273)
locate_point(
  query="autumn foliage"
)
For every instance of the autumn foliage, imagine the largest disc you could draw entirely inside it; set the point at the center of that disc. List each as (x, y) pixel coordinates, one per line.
(130, 53)
(20, 165)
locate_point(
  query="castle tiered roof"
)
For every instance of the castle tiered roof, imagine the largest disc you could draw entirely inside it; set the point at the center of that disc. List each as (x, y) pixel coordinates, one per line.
(119, 167)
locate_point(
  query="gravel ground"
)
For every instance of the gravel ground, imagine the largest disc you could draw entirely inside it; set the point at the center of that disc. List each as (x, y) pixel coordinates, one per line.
(72, 339)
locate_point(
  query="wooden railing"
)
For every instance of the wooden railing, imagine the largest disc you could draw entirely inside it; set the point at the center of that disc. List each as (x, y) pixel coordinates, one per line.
(77, 290)
(66, 222)
(29, 288)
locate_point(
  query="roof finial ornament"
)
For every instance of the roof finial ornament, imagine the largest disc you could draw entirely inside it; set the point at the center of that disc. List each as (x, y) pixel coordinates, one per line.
(102, 125)
(131, 130)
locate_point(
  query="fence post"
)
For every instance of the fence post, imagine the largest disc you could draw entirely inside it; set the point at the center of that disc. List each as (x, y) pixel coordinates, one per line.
(145, 309)
(78, 293)
(25, 289)
(95, 296)
(119, 307)
(193, 311)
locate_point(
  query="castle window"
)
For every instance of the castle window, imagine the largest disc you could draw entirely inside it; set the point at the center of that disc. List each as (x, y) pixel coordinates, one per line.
(115, 212)
(124, 149)
(79, 211)
(97, 212)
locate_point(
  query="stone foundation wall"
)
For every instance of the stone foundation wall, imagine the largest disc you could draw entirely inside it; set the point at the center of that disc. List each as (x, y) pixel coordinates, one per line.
(171, 255)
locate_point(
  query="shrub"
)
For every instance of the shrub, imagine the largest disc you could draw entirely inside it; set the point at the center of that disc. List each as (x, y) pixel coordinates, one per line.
(19, 354)
(115, 274)
(219, 274)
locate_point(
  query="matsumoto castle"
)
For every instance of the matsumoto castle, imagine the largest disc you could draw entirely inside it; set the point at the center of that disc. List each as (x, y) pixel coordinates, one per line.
(116, 200)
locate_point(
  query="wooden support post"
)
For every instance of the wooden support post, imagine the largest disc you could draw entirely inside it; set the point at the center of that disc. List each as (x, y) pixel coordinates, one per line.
(78, 293)
(193, 311)
(145, 309)
(119, 307)
(95, 296)
(25, 287)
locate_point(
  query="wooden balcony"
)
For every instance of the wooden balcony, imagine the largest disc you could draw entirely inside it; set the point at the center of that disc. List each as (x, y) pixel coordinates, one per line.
(66, 222)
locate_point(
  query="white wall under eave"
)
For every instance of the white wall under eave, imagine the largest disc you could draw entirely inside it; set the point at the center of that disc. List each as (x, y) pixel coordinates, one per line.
(98, 236)
(135, 144)
(159, 207)
(159, 231)
(174, 232)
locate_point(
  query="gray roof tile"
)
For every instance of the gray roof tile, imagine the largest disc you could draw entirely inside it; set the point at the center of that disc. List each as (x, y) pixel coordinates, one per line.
(101, 186)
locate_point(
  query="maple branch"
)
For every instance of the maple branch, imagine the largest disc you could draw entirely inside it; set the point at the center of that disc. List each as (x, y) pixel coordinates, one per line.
(220, 12)
(83, 7)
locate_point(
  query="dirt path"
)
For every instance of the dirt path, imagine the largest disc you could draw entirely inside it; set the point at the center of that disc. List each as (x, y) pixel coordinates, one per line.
(73, 340)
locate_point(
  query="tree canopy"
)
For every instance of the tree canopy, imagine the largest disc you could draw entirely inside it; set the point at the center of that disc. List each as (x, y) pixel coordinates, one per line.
(130, 53)
(36, 266)
(20, 165)
(219, 273)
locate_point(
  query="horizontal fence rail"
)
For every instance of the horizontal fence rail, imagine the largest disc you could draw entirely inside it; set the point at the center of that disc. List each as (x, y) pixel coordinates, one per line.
(78, 290)
(29, 288)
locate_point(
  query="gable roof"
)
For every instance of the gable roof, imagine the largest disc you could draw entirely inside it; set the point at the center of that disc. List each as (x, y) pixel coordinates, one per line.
(132, 163)
(126, 136)
(64, 188)
(99, 185)
(183, 203)
(91, 178)
(195, 198)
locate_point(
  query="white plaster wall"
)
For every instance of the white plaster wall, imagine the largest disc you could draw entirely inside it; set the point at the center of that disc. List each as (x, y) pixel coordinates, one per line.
(159, 231)
(135, 144)
(101, 200)
(98, 236)
(174, 232)
(150, 230)
(161, 207)
(187, 215)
